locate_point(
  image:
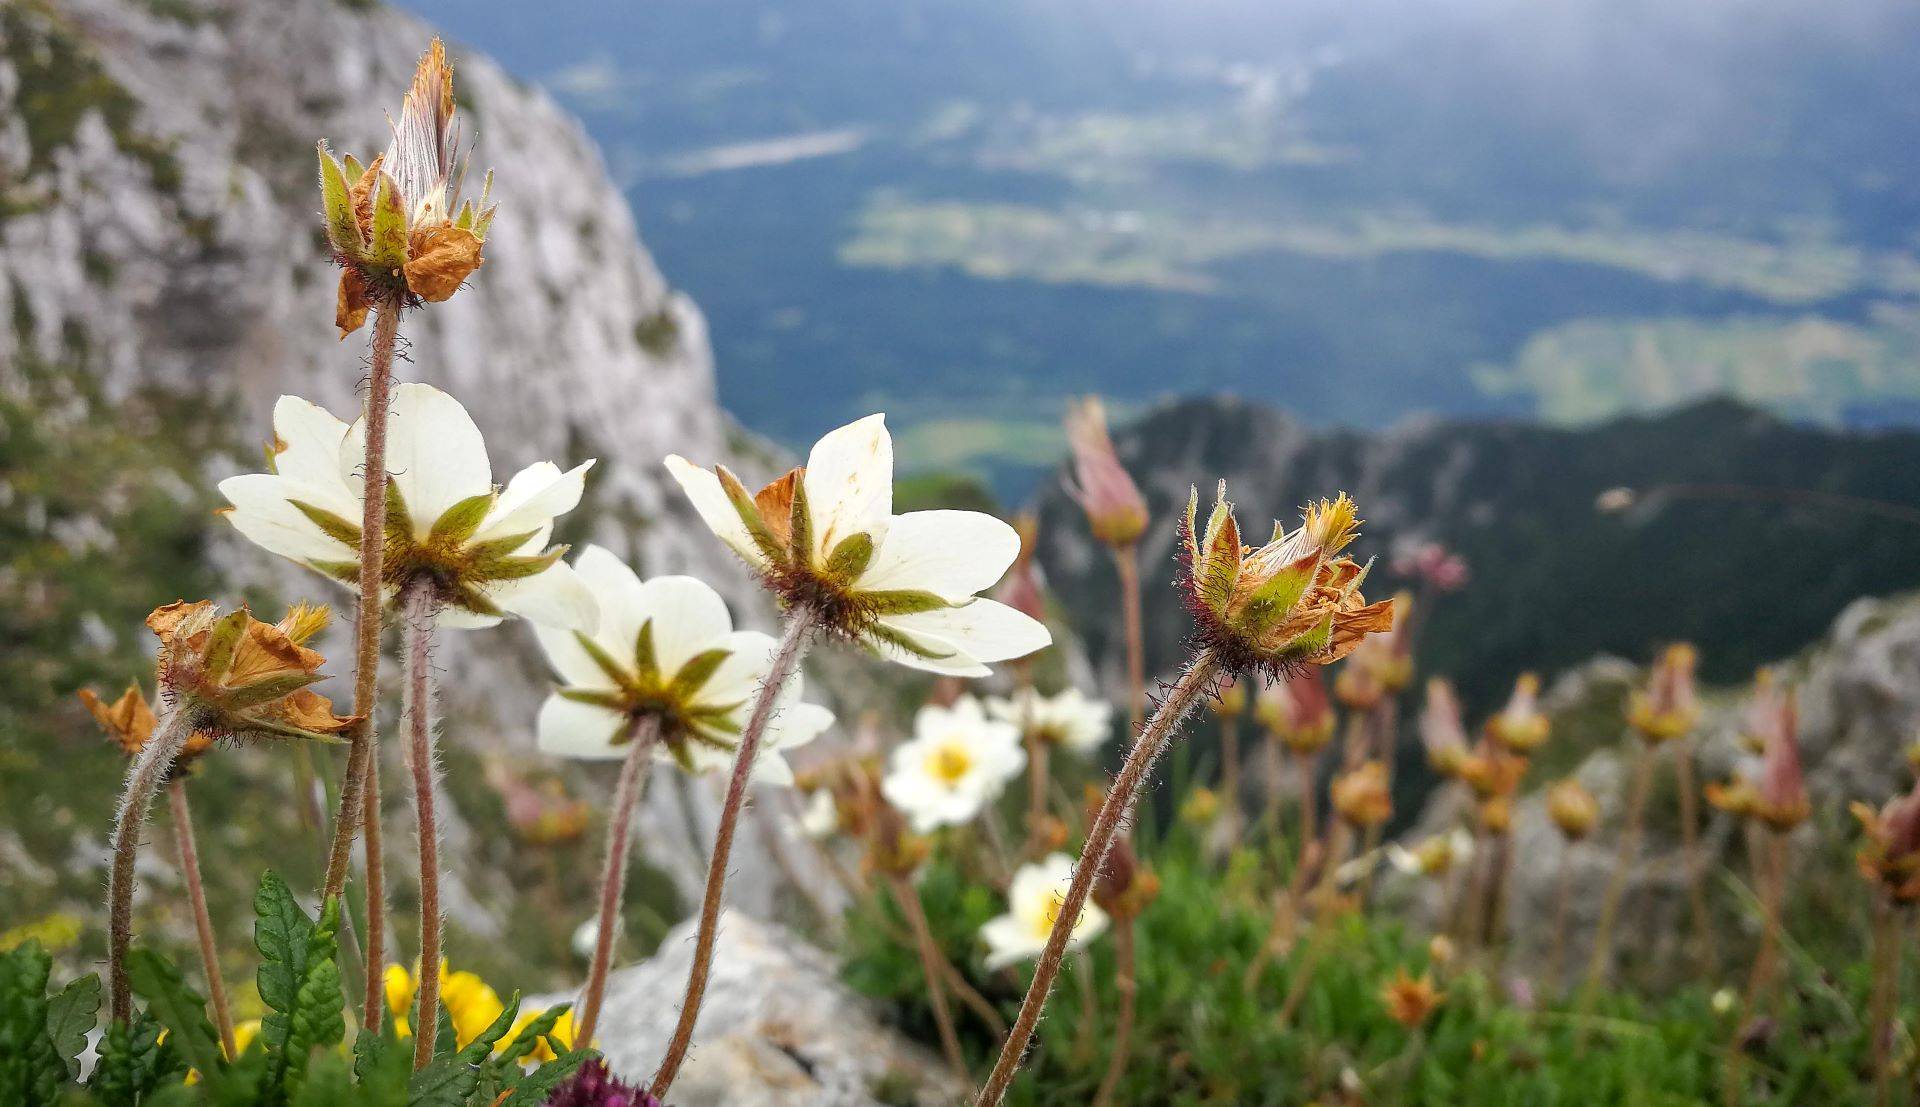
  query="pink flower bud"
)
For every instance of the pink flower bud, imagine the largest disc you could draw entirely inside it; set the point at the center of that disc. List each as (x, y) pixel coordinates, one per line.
(1100, 484)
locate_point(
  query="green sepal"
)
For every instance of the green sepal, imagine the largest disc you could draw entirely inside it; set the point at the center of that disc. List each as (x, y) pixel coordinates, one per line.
(606, 661)
(800, 526)
(903, 641)
(499, 547)
(388, 250)
(903, 601)
(1219, 567)
(850, 557)
(517, 568)
(333, 526)
(457, 523)
(345, 571)
(1271, 602)
(695, 674)
(266, 690)
(1193, 535)
(1312, 643)
(399, 519)
(343, 230)
(468, 598)
(646, 659)
(750, 517)
(593, 697)
(222, 643)
(354, 170)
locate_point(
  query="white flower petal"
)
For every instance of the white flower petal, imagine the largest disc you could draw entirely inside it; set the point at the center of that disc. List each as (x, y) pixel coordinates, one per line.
(849, 483)
(947, 660)
(1008, 942)
(984, 630)
(617, 592)
(688, 618)
(749, 657)
(710, 500)
(262, 512)
(953, 554)
(553, 597)
(571, 729)
(533, 497)
(771, 769)
(571, 662)
(311, 437)
(797, 724)
(454, 618)
(434, 453)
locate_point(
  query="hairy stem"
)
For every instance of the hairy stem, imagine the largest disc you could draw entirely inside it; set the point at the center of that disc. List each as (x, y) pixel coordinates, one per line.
(1562, 905)
(1690, 858)
(373, 1006)
(1126, 563)
(930, 961)
(197, 900)
(1193, 684)
(366, 653)
(421, 611)
(1617, 883)
(1886, 987)
(801, 623)
(641, 735)
(1125, 983)
(144, 776)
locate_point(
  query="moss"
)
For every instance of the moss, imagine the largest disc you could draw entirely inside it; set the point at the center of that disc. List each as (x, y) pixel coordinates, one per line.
(659, 332)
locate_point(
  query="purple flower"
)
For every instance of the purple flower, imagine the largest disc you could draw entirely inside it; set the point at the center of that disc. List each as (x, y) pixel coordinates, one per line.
(594, 1086)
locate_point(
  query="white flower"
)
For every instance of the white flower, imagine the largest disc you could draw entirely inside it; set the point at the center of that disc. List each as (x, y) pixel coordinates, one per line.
(1070, 719)
(821, 817)
(666, 648)
(825, 537)
(484, 548)
(958, 762)
(1433, 856)
(587, 935)
(1034, 901)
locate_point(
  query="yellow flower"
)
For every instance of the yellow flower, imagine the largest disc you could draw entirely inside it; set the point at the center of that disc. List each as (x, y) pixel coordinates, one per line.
(56, 933)
(1361, 796)
(562, 1032)
(470, 1003)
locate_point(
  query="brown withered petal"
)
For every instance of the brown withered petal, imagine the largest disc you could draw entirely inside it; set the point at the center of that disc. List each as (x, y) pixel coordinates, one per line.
(128, 721)
(1410, 1000)
(351, 303)
(264, 650)
(439, 260)
(361, 193)
(309, 710)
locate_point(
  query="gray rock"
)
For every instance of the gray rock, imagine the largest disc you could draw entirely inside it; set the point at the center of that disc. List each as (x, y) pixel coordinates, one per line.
(778, 1029)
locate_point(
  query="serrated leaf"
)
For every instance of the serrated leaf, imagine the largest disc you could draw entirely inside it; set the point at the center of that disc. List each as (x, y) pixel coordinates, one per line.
(459, 522)
(850, 557)
(31, 1069)
(343, 230)
(133, 1062)
(533, 1088)
(388, 250)
(284, 936)
(71, 1016)
(333, 526)
(316, 1021)
(903, 601)
(178, 1007)
(695, 674)
(528, 1039)
(450, 1080)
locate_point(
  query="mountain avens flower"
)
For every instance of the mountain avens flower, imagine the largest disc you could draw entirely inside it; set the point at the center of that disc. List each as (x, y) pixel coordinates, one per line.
(1668, 707)
(1294, 601)
(824, 538)
(398, 228)
(481, 551)
(957, 763)
(1521, 727)
(1100, 484)
(1070, 719)
(1890, 856)
(1360, 795)
(1775, 790)
(1034, 903)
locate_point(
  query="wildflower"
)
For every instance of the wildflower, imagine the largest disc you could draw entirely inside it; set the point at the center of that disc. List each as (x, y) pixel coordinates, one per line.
(1572, 808)
(1115, 509)
(1410, 1000)
(957, 763)
(594, 1086)
(1070, 719)
(1433, 565)
(1382, 665)
(1441, 730)
(1491, 771)
(398, 229)
(562, 1032)
(824, 539)
(1361, 796)
(1200, 808)
(1124, 886)
(1891, 854)
(1441, 950)
(470, 1002)
(1293, 602)
(1723, 1001)
(1295, 709)
(1521, 727)
(1435, 856)
(239, 678)
(1034, 903)
(665, 649)
(129, 722)
(1667, 708)
(481, 550)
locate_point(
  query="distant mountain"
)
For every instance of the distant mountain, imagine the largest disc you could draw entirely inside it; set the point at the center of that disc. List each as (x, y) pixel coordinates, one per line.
(1749, 571)
(965, 210)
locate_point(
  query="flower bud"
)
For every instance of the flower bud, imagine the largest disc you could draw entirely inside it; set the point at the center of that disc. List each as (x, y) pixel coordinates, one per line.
(1668, 707)
(1115, 509)
(1295, 709)
(1441, 730)
(1521, 727)
(1360, 796)
(1572, 808)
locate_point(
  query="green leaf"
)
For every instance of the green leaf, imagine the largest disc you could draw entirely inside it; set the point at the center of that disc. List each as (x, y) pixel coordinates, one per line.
(317, 1021)
(333, 526)
(31, 1068)
(450, 1080)
(532, 1089)
(388, 250)
(178, 1007)
(698, 670)
(70, 1016)
(528, 1039)
(457, 523)
(134, 1062)
(902, 601)
(850, 557)
(284, 936)
(343, 230)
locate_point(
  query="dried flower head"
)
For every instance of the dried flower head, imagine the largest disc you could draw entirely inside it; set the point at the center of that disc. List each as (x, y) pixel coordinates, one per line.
(1409, 1000)
(1433, 856)
(1124, 886)
(1116, 511)
(1521, 727)
(1572, 808)
(1890, 857)
(1295, 709)
(540, 813)
(398, 228)
(1360, 796)
(1668, 707)
(1290, 603)
(1356, 684)
(1385, 659)
(129, 723)
(483, 549)
(1491, 770)
(824, 538)
(1034, 902)
(1442, 731)
(665, 649)
(243, 679)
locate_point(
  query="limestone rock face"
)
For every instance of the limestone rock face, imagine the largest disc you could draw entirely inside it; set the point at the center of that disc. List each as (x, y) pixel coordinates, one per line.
(778, 1029)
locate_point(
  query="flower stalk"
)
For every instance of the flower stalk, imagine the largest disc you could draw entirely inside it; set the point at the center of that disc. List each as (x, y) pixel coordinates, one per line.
(421, 610)
(930, 961)
(1126, 563)
(1888, 924)
(1690, 857)
(1126, 983)
(1200, 676)
(641, 735)
(801, 624)
(1642, 786)
(144, 776)
(202, 921)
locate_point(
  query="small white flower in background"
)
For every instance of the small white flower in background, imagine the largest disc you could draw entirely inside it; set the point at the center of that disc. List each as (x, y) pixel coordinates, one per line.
(1433, 856)
(484, 548)
(821, 817)
(957, 763)
(1034, 901)
(825, 538)
(1070, 719)
(666, 648)
(587, 935)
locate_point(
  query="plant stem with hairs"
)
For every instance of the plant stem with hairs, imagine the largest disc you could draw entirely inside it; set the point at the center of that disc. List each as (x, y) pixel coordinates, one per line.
(374, 1004)
(1125, 982)
(1126, 563)
(420, 611)
(930, 960)
(1562, 905)
(1617, 883)
(1199, 677)
(642, 733)
(197, 900)
(1886, 986)
(144, 776)
(801, 624)
(1690, 858)
(358, 786)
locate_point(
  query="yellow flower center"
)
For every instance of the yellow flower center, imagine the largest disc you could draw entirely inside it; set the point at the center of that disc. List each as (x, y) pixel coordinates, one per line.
(949, 764)
(1049, 915)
